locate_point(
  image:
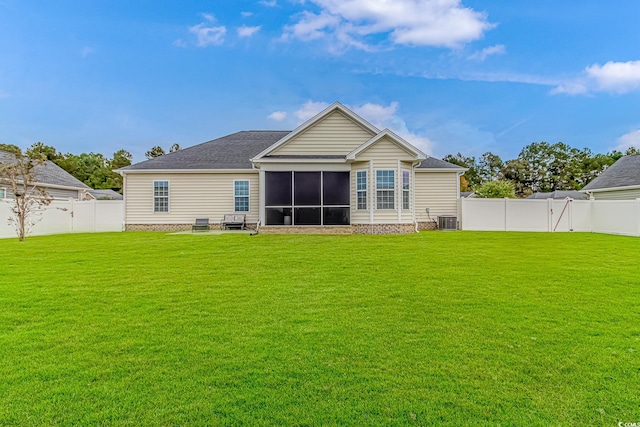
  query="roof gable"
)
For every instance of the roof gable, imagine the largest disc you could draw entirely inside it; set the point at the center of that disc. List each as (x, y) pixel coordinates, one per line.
(334, 131)
(389, 137)
(623, 173)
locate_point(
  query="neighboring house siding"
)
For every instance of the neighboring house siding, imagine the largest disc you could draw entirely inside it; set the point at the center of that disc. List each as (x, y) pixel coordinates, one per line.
(191, 196)
(436, 191)
(334, 135)
(617, 195)
(55, 193)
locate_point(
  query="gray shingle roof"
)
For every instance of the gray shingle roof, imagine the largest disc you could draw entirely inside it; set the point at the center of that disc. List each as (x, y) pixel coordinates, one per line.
(559, 195)
(48, 173)
(107, 194)
(623, 173)
(433, 163)
(229, 152)
(234, 151)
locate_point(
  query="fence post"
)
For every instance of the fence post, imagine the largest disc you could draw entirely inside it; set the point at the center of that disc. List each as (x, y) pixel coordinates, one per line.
(73, 216)
(550, 215)
(638, 216)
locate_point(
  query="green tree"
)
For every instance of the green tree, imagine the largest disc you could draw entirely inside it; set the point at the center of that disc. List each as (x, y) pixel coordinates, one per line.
(471, 175)
(496, 189)
(490, 167)
(47, 152)
(155, 151)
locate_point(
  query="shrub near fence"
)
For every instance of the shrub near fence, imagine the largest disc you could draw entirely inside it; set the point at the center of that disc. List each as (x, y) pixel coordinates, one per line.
(69, 216)
(598, 216)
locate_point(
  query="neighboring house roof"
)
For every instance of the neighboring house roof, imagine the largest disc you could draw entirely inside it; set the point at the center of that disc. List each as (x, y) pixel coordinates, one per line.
(48, 173)
(433, 163)
(623, 173)
(107, 194)
(467, 194)
(229, 152)
(559, 194)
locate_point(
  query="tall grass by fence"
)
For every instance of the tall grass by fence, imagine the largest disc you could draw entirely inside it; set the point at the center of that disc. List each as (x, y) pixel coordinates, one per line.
(598, 216)
(69, 216)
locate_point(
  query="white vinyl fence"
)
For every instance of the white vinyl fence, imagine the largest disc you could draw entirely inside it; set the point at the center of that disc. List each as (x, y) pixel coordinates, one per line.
(598, 216)
(69, 216)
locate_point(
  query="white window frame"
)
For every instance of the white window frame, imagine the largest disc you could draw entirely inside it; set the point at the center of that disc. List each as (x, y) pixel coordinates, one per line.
(248, 196)
(4, 193)
(161, 197)
(392, 190)
(362, 191)
(406, 192)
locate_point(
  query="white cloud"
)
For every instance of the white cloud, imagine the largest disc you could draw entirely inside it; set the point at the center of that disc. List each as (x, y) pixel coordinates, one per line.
(628, 140)
(209, 17)
(441, 23)
(271, 3)
(614, 77)
(246, 31)
(278, 116)
(246, 14)
(483, 54)
(207, 36)
(310, 109)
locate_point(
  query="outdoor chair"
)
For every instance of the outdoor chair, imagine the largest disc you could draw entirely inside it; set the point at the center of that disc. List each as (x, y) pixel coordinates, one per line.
(202, 224)
(233, 221)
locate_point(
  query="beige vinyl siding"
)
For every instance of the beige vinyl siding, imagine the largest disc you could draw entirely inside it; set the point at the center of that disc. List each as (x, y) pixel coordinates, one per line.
(437, 191)
(630, 194)
(385, 153)
(336, 134)
(191, 196)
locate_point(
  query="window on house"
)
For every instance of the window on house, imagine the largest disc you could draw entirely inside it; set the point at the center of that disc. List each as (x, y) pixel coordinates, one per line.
(161, 196)
(385, 186)
(3, 193)
(241, 195)
(361, 189)
(405, 190)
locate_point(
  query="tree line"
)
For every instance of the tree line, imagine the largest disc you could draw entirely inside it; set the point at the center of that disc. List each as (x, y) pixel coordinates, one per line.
(93, 169)
(540, 167)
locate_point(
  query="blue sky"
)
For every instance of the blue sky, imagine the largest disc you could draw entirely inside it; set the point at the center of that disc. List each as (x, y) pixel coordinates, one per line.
(448, 75)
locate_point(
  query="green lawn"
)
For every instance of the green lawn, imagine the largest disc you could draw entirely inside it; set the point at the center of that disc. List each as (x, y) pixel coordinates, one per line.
(439, 328)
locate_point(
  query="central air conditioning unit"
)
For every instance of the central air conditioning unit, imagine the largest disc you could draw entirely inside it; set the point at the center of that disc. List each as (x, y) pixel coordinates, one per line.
(446, 222)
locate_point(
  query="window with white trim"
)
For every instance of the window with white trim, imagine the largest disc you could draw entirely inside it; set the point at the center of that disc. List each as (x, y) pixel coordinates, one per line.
(361, 190)
(405, 190)
(241, 195)
(3, 193)
(160, 196)
(385, 189)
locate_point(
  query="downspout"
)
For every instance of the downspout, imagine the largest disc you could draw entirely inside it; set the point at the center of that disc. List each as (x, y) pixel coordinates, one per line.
(413, 194)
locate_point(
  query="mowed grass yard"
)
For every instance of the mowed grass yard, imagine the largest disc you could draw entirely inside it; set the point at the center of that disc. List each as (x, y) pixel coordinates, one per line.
(437, 328)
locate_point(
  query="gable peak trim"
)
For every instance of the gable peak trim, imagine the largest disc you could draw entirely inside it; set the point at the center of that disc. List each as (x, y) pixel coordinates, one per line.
(395, 138)
(336, 106)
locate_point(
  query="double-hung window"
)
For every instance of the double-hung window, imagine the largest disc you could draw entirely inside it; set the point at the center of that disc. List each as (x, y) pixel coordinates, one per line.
(161, 196)
(3, 193)
(405, 190)
(385, 189)
(241, 195)
(361, 189)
